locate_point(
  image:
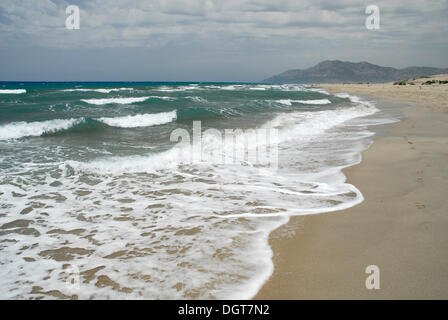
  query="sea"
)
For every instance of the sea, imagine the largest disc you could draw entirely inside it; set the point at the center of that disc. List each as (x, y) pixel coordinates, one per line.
(99, 201)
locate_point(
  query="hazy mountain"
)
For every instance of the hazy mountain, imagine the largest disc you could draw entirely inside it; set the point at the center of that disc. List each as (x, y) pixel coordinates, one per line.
(341, 71)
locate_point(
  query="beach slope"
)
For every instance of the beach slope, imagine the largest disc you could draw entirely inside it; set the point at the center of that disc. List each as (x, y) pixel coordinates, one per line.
(402, 225)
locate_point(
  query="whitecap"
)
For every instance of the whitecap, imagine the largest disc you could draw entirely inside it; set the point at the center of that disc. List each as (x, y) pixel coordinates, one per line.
(16, 130)
(12, 91)
(140, 120)
(115, 100)
(99, 90)
(289, 102)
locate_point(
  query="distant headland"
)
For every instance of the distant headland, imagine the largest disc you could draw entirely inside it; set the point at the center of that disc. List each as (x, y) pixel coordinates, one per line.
(336, 71)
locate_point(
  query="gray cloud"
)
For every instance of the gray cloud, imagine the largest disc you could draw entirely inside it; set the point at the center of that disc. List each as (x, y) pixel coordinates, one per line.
(253, 38)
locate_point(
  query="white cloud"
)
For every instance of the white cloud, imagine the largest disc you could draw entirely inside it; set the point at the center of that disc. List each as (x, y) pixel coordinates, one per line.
(213, 39)
(134, 23)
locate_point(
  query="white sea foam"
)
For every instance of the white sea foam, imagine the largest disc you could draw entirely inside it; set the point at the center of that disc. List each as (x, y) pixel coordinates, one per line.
(140, 120)
(163, 89)
(12, 91)
(289, 102)
(16, 130)
(290, 87)
(197, 99)
(162, 98)
(291, 126)
(178, 89)
(211, 87)
(232, 87)
(162, 228)
(302, 124)
(313, 89)
(98, 90)
(115, 100)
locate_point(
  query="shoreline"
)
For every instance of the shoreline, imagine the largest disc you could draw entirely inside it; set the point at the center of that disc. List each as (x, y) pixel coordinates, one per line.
(401, 226)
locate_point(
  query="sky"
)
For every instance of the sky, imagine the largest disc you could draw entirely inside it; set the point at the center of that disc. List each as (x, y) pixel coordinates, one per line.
(212, 40)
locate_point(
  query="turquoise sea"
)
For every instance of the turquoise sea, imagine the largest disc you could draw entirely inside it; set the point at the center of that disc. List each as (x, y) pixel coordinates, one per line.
(96, 201)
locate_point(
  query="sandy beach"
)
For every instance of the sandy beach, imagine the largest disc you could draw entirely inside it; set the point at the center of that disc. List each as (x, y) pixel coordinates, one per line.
(401, 226)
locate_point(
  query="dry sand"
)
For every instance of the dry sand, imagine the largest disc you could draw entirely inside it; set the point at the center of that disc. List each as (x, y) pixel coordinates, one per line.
(402, 225)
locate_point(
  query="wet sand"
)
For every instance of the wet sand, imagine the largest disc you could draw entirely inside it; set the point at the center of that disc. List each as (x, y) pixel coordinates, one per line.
(401, 226)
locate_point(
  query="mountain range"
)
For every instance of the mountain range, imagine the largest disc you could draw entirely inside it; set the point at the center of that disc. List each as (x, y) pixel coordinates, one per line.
(335, 71)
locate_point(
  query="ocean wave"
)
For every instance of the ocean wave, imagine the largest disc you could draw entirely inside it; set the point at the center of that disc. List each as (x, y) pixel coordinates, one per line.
(303, 124)
(16, 130)
(288, 87)
(115, 100)
(207, 216)
(99, 90)
(295, 124)
(289, 102)
(204, 113)
(313, 89)
(140, 120)
(12, 91)
(232, 87)
(291, 126)
(197, 99)
(179, 89)
(162, 98)
(352, 98)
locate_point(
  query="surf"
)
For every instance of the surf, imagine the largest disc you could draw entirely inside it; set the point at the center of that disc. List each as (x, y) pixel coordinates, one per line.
(12, 91)
(115, 100)
(140, 120)
(22, 129)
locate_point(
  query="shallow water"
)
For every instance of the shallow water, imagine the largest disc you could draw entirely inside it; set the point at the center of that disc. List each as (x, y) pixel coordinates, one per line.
(91, 184)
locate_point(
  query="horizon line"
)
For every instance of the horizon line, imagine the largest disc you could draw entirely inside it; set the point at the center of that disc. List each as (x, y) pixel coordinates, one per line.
(131, 81)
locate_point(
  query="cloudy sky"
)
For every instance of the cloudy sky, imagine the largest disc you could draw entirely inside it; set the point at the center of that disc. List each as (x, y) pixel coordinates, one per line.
(212, 40)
